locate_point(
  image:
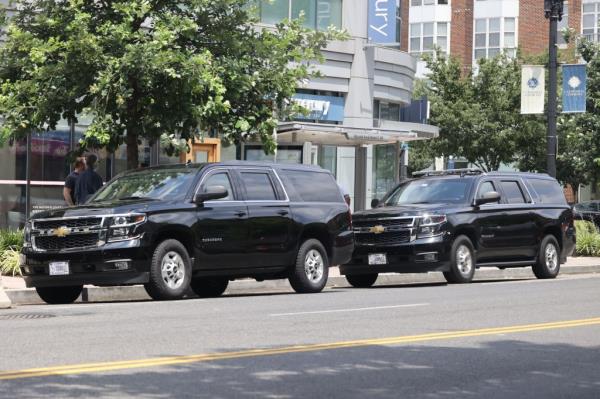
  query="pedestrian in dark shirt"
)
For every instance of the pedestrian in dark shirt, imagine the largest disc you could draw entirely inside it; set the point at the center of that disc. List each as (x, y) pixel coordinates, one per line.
(88, 182)
(71, 180)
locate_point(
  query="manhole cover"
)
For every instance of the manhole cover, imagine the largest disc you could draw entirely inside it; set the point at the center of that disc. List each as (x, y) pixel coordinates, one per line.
(26, 316)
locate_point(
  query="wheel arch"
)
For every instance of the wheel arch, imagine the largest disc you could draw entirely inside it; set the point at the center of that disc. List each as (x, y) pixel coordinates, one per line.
(181, 234)
(318, 232)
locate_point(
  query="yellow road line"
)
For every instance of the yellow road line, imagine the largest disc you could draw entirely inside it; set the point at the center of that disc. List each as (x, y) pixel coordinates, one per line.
(173, 360)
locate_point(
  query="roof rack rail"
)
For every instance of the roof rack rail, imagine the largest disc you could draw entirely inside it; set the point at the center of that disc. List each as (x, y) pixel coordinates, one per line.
(461, 172)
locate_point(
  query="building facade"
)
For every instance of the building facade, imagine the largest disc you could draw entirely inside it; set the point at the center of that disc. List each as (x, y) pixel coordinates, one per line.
(361, 119)
(474, 29)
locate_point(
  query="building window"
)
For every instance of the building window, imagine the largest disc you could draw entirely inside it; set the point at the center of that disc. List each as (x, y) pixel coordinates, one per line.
(425, 36)
(318, 14)
(493, 35)
(590, 21)
(416, 3)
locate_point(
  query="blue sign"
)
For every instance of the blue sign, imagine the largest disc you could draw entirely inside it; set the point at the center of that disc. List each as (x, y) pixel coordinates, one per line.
(574, 88)
(382, 21)
(320, 108)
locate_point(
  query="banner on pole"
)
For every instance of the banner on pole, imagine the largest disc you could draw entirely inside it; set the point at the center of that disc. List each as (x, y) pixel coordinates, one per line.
(382, 21)
(532, 89)
(574, 88)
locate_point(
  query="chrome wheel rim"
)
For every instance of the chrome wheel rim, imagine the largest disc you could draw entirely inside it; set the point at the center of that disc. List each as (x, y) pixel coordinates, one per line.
(464, 260)
(551, 256)
(314, 265)
(172, 270)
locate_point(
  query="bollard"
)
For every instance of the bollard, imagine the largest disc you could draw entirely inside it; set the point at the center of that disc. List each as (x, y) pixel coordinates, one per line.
(4, 299)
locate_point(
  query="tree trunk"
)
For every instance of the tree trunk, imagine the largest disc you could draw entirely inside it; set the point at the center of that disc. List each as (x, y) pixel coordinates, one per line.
(132, 148)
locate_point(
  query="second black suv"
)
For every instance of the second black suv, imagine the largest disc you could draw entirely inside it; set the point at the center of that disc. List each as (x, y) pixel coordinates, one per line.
(176, 226)
(457, 221)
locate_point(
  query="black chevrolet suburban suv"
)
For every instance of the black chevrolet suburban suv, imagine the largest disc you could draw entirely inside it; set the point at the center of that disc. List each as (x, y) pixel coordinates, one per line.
(174, 227)
(460, 220)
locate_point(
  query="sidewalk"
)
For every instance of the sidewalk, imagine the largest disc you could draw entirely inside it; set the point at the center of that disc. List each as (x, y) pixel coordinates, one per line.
(20, 295)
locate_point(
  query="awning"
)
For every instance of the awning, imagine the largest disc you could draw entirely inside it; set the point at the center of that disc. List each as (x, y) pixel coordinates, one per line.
(328, 134)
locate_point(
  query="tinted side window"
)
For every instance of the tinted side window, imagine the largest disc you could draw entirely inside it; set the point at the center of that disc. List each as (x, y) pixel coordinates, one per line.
(549, 191)
(513, 192)
(485, 187)
(258, 186)
(313, 186)
(219, 179)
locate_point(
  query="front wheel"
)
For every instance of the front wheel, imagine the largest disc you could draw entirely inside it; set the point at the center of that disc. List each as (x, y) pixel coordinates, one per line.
(311, 270)
(462, 261)
(209, 287)
(362, 280)
(59, 295)
(548, 261)
(170, 271)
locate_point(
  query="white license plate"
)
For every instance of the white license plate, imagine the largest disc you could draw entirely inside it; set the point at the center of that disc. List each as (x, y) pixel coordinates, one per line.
(59, 268)
(377, 259)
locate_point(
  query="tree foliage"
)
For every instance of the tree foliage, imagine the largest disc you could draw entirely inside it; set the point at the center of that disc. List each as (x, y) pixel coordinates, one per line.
(479, 113)
(152, 69)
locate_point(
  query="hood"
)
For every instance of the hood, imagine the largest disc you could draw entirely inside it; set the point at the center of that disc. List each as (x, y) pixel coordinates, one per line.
(405, 210)
(99, 208)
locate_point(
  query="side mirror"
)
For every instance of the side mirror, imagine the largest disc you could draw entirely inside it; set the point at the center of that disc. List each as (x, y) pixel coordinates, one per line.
(211, 193)
(488, 198)
(374, 203)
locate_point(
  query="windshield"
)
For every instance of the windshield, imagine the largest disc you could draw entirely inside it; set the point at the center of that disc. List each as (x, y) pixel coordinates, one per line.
(431, 191)
(153, 184)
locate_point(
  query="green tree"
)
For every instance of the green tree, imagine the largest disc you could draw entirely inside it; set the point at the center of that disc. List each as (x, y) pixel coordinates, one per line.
(151, 69)
(479, 113)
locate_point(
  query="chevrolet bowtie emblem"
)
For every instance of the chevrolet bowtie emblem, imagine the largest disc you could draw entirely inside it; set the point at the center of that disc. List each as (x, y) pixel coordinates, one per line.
(62, 231)
(377, 229)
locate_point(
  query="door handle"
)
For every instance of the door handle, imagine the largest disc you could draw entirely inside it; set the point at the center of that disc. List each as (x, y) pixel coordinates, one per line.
(282, 212)
(240, 213)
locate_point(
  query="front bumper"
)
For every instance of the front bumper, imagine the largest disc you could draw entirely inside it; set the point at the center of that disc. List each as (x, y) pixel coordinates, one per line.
(409, 257)
(98, 266)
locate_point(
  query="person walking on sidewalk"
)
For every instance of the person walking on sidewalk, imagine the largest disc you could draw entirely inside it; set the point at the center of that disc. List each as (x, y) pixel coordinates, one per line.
(71, 180)
(88, 182)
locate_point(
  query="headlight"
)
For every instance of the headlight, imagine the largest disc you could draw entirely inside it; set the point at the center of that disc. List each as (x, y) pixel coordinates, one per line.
(431, 226)
(123, 227)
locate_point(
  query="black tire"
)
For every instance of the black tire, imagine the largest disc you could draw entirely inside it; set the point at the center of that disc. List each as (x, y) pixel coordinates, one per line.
(316, 267)
(362, 280)
(209, 287)
(462, 266)
(178, 271)
(59, 295)
(548, 260)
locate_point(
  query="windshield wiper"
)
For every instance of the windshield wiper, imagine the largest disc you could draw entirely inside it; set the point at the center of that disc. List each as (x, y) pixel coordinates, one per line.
(135, 197)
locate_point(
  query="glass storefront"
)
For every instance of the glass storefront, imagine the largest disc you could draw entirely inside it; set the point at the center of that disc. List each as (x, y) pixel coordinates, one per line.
(318, 14)
(384, 169)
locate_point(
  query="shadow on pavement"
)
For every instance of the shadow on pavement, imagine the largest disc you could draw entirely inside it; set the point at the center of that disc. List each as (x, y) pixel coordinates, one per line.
(490, 369)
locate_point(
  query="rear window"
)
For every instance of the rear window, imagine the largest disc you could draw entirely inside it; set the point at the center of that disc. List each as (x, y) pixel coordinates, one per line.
(313, 186)
(548, 191)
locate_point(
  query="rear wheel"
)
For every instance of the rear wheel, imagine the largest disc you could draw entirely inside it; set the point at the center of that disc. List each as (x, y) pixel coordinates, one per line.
(170, 271)
(462, 261)
(548, 262)
(362, 280)
(311, 270)
(209, 287)
(59, 295)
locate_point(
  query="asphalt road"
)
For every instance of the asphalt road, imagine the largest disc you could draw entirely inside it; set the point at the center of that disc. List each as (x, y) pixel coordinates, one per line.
(505, 339)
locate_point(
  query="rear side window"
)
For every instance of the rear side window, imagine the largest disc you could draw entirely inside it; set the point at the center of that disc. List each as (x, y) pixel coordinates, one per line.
(258, 186)
(512, 192)
(548, 191)
(313, 186)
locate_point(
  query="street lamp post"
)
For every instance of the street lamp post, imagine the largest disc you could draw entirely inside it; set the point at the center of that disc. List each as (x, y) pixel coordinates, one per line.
(553, 10)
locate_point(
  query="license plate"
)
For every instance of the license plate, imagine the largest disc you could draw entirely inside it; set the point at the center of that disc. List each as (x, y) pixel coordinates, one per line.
(377, 259)
(59, 268)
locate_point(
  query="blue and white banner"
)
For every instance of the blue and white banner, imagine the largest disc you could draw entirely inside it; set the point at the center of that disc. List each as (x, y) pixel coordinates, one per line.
(382, 21)
(532, 89)
(320, 108)
(574, 88)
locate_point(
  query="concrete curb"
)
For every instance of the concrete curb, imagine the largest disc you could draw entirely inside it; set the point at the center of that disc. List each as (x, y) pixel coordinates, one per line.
(28, 296)
(5, 302)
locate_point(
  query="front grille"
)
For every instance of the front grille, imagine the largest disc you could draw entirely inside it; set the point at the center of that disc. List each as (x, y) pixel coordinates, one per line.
(70, 223)
(394, 237)
(50, 243)
(403, 222)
